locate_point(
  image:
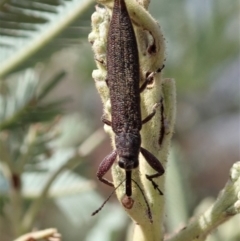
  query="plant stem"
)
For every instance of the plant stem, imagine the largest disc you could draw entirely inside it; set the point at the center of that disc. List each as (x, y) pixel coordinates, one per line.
(162, 91)
(226, 206)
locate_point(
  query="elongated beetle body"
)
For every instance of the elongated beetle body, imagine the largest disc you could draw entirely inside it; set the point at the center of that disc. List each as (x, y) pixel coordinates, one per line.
(123, 79)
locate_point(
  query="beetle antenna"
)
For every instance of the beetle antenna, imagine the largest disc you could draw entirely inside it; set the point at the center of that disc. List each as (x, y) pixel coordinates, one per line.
(101, 207)
(149, 213)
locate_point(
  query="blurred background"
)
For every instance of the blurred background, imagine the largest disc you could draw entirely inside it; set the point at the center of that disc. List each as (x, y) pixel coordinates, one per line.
(51, 136)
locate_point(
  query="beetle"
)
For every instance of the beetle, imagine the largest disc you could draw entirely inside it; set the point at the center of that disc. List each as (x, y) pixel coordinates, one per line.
(123, 80)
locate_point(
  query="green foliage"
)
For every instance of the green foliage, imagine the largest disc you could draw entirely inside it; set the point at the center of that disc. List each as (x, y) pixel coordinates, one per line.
(202, 37)
(28, 26)
(39, 150)
(21, 105)
(41, 145)
(30, 130)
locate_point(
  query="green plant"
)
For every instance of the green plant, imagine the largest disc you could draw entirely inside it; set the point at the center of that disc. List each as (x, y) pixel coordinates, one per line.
(40, 145)
(147, 31)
